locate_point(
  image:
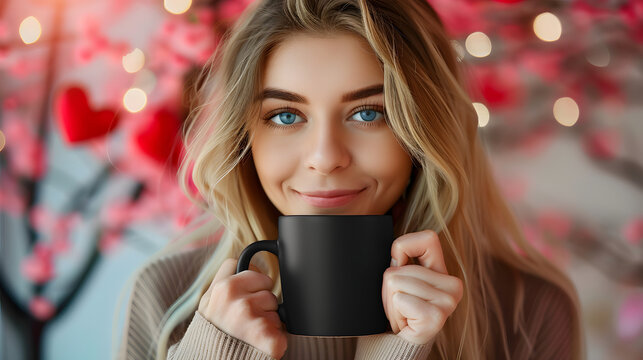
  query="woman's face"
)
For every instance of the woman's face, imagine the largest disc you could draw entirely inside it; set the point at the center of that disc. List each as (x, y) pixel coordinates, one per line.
(322, 130)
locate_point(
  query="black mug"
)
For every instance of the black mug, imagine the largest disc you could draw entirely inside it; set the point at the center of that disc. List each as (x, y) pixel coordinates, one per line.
(331, 270)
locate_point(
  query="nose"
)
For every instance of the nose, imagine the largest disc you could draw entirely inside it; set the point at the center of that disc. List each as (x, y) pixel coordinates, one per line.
(327, 148)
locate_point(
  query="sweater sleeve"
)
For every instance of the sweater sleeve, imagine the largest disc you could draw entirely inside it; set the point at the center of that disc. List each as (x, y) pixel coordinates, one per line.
(203, 340)
(552, 316)
(388, 346)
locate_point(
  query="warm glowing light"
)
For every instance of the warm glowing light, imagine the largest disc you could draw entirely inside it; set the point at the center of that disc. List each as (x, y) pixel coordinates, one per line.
(134, 100)
(3, 140)
(459, 50)
(599, 57)
(483, 114)
(547, 27)
(566, 111)
(478, 44)
(30, 30)
(134, 61)
(177, 6)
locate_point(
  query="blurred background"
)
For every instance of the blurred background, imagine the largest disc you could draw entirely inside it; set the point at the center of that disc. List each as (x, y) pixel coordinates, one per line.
(92, 99)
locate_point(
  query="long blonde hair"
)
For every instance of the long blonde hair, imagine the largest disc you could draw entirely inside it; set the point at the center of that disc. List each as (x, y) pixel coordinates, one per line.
(452, 192)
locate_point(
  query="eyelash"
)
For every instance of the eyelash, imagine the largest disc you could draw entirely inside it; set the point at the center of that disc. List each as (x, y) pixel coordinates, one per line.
(292, 110)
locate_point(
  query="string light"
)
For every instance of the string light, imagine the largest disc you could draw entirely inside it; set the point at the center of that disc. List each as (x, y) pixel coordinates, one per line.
(134, 100)
(134, 61)
(547, 27)
(566, 111)
(478, 44)
(599, 57)
(30, 30)
(177, 6)
(483, 114)
(3, 140)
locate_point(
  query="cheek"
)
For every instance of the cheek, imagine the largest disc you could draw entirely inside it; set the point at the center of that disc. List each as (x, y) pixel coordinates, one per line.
(273, 160)
(386, 160)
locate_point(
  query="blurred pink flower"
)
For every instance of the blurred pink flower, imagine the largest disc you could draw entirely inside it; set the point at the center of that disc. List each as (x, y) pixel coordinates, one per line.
(41, 308)
(534, 237)
(602, 144)
(460, 17)
(499, 85)
(231, 9)
(109, 241)
(555, 222)
(630, 317)
(39, 267)
(117, 215)
(11, 199)
(633, 231)
(546, 64)
(514, 189)
(537, 140)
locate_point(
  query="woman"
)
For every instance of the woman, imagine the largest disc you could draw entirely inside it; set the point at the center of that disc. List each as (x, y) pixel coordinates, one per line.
(366, 97)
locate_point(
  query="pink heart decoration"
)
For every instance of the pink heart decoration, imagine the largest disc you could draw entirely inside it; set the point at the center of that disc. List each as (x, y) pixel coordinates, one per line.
(160, 140)
(78, 121)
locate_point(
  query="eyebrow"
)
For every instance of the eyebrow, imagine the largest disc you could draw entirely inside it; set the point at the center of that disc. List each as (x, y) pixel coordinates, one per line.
(273, 93)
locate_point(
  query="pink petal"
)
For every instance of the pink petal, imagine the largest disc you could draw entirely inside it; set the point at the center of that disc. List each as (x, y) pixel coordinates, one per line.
(603, 144)
(514, 189)
(41, 308)
(41, 218)
(10, 103)
(633, 231)
(556, 223)
(60, 244)
(630, 317)
(37, 269)
(109, 241)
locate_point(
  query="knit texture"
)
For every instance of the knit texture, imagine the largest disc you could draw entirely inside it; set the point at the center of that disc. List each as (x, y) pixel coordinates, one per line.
(547, 312)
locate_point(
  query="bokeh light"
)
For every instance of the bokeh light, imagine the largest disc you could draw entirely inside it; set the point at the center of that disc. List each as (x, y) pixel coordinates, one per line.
(566, 111)
(478, 44)
(547, 27)
(30, 30)
(134, 61)
(599, 56)
(134, 100)
(483, 114)
(177, 6)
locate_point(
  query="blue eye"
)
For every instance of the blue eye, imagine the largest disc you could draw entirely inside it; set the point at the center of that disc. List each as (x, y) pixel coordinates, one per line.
(368, 115)
(287, 118)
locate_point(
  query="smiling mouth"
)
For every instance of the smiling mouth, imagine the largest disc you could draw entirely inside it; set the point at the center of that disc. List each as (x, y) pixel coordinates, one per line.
(330, 201)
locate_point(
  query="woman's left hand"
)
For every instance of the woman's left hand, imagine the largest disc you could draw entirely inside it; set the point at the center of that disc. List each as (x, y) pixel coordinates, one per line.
(419, 298)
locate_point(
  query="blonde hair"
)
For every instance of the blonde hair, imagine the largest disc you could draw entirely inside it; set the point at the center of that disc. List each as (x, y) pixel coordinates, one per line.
(452, 192)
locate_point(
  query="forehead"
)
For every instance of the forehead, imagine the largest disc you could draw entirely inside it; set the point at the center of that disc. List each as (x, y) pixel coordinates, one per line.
(307, 63)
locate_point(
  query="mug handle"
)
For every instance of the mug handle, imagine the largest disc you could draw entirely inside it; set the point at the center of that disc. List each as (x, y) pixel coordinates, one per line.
(249, 252)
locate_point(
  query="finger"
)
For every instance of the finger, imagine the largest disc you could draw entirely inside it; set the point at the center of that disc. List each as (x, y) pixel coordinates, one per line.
(265, 300)
(253, 281)
(422, 290)
(227, 269)
(443, 282)
(418, 314)
(386, 301)
(412, 308)
(423, 245)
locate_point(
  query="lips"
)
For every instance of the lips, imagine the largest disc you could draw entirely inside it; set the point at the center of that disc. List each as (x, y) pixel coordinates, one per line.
(329, 198)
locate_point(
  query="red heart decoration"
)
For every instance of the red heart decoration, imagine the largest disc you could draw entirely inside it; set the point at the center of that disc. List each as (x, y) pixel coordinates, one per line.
(78, 121)
(160, 140)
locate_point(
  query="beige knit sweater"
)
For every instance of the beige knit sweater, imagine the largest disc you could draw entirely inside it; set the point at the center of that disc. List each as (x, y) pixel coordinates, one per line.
(160, 283)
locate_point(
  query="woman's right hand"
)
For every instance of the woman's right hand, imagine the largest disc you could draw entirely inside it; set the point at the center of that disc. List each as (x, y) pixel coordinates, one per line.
(243, 306)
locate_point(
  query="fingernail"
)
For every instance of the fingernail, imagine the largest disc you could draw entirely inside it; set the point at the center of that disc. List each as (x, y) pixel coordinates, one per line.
(393, 262)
